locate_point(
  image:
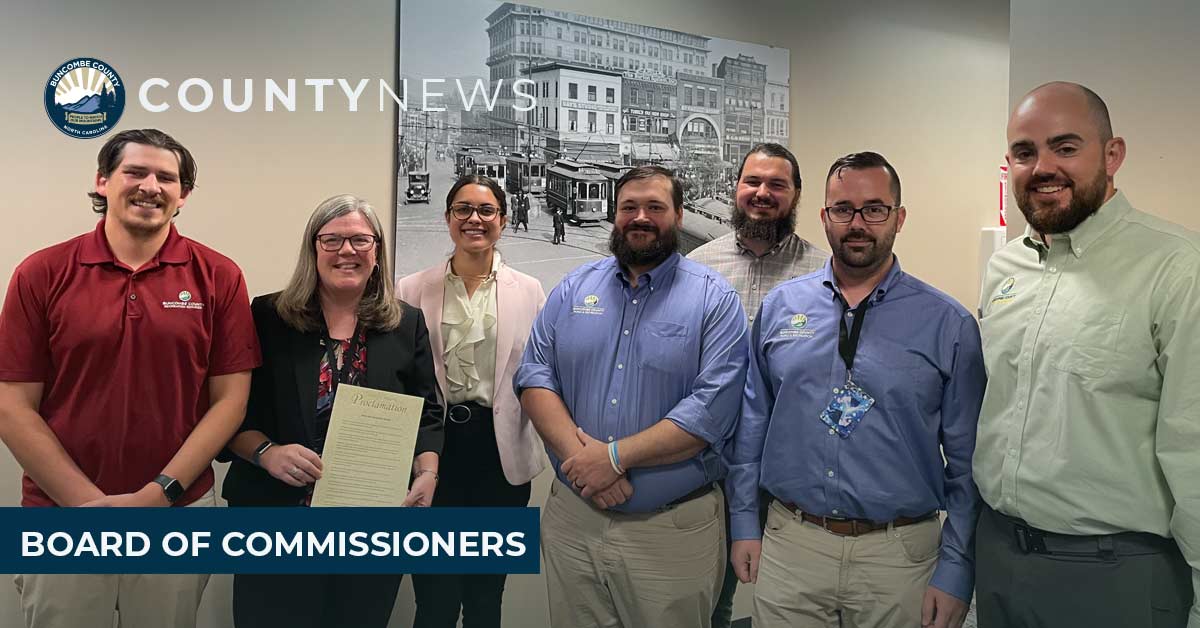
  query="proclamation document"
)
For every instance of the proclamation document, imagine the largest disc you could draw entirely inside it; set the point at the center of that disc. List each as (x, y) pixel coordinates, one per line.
(369, 448)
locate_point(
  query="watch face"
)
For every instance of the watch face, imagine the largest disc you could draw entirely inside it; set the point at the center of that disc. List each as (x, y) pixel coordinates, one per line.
(172, 489)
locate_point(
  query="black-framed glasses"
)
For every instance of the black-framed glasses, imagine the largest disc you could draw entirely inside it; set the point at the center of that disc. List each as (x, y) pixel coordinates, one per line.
(332, 242)
(463, 211)
(872, 214)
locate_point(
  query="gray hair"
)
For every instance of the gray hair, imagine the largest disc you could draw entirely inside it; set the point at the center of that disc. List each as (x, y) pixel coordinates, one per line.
(297, 304)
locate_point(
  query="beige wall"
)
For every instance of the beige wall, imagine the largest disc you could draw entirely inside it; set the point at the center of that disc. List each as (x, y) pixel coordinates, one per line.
(1141, 58)
(923, 82)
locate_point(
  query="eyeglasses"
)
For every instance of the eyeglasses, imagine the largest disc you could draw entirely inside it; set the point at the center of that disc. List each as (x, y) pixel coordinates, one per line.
(333, 243)
(463, 211)
(873, 214)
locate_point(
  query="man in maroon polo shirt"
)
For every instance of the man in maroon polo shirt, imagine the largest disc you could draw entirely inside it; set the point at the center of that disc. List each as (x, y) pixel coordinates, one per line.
(125, 359)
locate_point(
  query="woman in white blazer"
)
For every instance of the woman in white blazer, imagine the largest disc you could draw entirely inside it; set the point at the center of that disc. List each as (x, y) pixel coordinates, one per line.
(479, 313)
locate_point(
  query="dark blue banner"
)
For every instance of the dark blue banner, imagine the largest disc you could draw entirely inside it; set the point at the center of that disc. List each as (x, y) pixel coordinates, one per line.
(269, 540)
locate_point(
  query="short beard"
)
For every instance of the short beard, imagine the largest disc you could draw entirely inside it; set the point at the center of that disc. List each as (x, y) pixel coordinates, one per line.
(1085, 201)
(653, 255)
(763, 229)
(873, 257)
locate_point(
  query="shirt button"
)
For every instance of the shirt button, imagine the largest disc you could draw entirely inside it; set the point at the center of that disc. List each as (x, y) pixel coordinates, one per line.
(626, 332)
(620, 366)
(832, 431)
(610, 439)
(829, 473)
(849, 314)
(1020, 405)
(1053, 269)
(835, 511)
(613, 402)
(635, 301)
(1012, 452)
(133, 297)
(754, 286)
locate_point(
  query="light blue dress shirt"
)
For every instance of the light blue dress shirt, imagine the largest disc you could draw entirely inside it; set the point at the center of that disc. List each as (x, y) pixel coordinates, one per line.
(919, 356)
(623, 358)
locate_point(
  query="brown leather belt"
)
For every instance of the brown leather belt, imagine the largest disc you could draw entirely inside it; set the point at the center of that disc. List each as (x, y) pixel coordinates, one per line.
(854, 527)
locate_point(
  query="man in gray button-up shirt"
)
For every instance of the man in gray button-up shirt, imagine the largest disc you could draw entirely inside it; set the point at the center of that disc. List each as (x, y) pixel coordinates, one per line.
(762, 251)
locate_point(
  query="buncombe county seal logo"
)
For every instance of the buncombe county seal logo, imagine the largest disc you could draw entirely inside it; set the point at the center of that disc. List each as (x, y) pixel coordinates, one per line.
(185, 296)
(85, 97)
(591, 300)
(799, 321)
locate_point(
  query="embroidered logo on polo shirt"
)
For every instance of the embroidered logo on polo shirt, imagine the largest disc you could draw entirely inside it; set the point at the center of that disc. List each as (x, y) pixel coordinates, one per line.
(185, 302)
(797, 327)
(1006, 293)
(589, 306)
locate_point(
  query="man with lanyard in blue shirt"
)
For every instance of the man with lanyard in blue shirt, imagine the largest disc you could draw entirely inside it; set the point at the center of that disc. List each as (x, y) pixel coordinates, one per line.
(633, 376)
(861, 378)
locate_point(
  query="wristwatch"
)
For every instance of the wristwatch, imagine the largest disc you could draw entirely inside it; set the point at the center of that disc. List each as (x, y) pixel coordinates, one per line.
(171, 487)
(260, 450)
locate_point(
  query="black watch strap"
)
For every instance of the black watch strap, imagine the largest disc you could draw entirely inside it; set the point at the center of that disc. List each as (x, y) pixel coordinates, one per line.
(171, 487)
(260, 450)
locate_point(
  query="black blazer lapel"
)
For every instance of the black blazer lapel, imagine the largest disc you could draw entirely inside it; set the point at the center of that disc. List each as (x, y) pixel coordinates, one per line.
(306, 364)
(383, 361)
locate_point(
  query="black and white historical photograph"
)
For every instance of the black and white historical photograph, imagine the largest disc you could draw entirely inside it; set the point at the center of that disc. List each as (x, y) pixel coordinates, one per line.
(556, 106)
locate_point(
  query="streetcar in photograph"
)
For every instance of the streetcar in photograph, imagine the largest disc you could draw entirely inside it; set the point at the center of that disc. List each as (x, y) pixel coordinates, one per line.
(612, 173)
(464, 160)
(524, 174)
(578, 189)
(488, 165)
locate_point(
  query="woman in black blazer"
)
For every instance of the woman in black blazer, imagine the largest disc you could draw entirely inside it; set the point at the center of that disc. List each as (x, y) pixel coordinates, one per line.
(337, 322)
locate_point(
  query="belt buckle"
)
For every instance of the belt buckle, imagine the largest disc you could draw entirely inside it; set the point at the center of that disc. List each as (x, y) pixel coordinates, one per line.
(452, 418)
(1030, 541)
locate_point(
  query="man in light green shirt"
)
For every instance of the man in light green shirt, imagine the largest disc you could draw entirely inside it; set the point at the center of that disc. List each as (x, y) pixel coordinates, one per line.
(1088, 450)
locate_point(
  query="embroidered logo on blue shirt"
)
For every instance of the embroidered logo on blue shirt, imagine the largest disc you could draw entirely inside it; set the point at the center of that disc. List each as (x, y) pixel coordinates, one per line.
(589, 306)
(797, 327)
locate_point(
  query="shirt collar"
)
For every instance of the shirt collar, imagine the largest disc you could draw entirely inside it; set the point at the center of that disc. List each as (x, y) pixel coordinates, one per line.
(743, 250)
(658, 276)
(889, 281)
(1082, 237)
(95, 249)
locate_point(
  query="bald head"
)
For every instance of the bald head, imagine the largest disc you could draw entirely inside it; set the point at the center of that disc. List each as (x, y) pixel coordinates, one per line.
(1060, 94)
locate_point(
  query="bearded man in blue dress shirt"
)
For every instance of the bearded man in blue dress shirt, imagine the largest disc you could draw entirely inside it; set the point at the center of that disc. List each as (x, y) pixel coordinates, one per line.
(861, 378)
(633, 376)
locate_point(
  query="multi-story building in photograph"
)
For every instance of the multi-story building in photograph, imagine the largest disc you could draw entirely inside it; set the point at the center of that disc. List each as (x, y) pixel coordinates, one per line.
(649, 108)
(745, 86)
(776, 104)
(522, 36)
(701, 114)
(578, 113)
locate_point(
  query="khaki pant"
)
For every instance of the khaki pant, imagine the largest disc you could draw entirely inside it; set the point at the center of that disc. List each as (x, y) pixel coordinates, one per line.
(89, 600)
(652, 570)
(809, 577)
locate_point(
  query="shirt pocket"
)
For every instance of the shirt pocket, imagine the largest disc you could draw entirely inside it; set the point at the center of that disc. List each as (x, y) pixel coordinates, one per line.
(1093, 347)
(664, 346)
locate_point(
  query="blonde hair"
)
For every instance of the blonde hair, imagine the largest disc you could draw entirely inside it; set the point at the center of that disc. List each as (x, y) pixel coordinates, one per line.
(297, 304)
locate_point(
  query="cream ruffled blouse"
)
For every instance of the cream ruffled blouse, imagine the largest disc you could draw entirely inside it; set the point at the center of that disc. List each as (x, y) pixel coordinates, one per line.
(469, 334)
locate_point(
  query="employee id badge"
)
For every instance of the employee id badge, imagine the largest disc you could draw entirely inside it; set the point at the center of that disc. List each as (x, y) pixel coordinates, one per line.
(847, 408)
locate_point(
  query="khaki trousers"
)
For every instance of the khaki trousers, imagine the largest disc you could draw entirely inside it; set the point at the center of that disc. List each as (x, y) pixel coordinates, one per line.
(809, 577)
(651, 570)
(89, 600)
